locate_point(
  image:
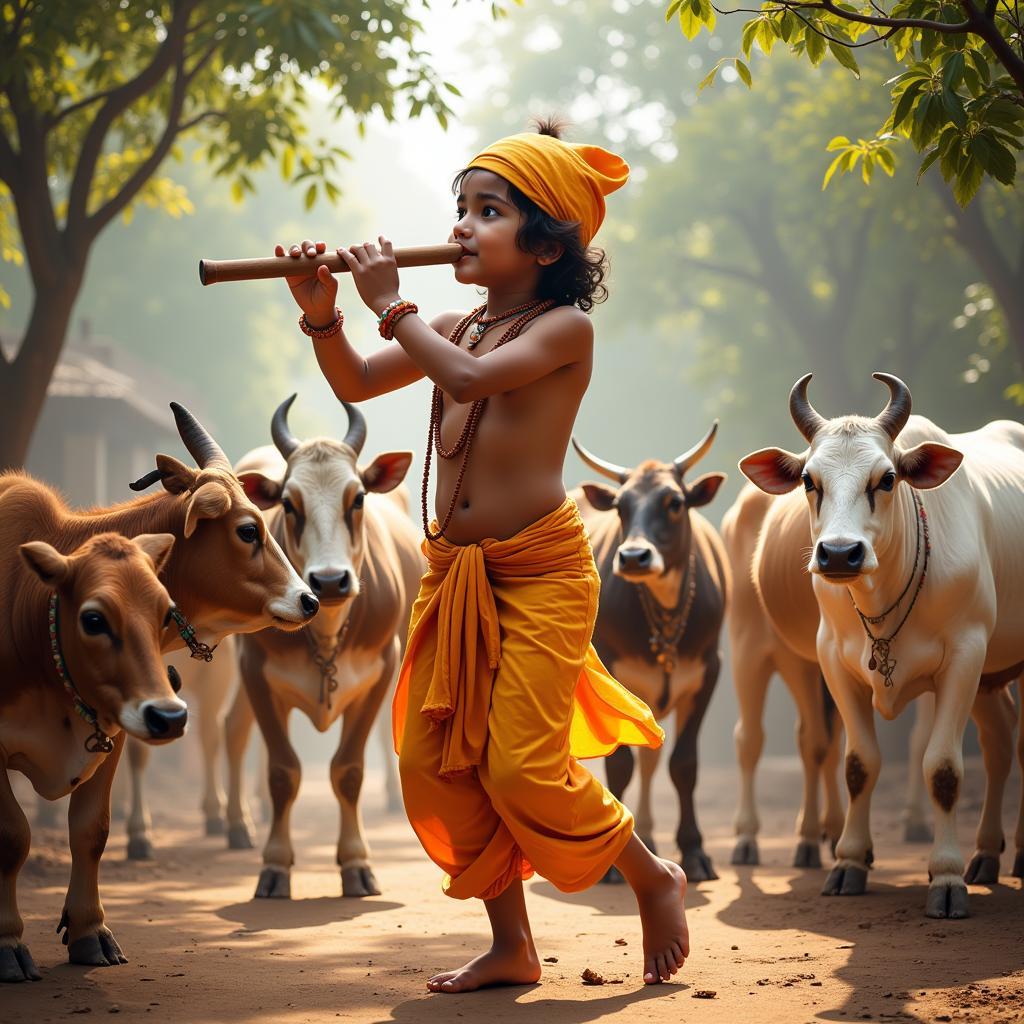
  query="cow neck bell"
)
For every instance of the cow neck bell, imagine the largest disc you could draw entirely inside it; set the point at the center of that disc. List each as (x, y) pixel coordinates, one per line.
(99, 742)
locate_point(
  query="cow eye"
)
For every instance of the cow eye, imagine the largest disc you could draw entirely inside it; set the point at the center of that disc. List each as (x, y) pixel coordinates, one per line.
(174, 678)
(888, 482)
(808, 482)
(248, 532)
(289, 508)
(357, 501)
(94, 623)
(675, 504)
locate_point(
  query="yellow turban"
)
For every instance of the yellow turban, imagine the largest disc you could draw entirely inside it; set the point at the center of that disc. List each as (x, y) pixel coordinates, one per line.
(566, 180)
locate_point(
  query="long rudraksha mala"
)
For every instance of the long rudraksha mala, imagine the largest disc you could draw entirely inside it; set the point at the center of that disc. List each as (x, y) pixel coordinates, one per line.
(464, 444)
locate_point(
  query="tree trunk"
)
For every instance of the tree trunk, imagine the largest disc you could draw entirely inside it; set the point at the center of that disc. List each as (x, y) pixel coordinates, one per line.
(24, 379)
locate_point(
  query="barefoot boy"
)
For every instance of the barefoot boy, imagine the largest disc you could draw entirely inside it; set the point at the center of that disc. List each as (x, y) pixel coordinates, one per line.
(500, 691)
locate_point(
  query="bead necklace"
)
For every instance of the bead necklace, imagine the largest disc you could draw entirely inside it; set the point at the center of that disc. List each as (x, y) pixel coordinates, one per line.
(667, 626)
(880, 652)
(482, 323)
(465, 440)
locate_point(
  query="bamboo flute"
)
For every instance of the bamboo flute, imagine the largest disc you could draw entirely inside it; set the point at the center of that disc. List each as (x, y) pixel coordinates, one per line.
(264, 267)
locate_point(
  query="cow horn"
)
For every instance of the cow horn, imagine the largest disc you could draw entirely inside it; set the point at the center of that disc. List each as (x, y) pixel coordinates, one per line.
(207, 453)
(689, 459)
(356, 436)
(807, 420)
(617, 473)
(284, 440)
(893, 418)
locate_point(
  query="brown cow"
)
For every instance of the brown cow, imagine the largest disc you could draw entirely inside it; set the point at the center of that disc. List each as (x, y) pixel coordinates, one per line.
(79, 668)
(357, 548)
(664, 590)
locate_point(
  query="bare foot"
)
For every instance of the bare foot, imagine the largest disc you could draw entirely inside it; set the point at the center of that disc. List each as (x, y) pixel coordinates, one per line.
(498, 966)
(666, 938)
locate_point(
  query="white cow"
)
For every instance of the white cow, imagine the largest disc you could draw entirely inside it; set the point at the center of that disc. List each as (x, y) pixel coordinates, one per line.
(917, 593)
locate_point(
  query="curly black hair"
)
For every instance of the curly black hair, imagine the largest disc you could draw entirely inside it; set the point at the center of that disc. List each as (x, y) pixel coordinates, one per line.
(576, 278)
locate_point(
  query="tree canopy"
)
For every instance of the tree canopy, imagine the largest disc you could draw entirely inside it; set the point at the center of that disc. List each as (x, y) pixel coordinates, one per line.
(957, 93)
(95, 97)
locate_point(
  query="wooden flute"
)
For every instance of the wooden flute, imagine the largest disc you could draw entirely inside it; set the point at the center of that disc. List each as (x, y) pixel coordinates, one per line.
(263, 267)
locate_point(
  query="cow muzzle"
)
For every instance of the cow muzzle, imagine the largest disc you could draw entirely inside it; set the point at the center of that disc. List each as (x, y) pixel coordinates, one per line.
(839, 560)
(638, 560)
(332, 586)
(157, 721)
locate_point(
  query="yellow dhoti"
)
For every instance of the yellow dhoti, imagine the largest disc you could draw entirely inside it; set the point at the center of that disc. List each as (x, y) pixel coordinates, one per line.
(506, 692)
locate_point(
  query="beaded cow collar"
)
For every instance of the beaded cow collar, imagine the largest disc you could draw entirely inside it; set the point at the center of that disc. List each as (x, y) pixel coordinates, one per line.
(99, 742)
(197, 649)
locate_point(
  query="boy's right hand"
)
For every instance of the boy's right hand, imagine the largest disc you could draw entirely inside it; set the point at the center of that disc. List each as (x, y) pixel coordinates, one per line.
(316, 291)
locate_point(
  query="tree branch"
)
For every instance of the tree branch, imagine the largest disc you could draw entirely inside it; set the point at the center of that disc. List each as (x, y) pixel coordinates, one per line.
(199, 118)
(8, 162)
(864, 19)
(115, 104)
(737, 273)
(106, 213)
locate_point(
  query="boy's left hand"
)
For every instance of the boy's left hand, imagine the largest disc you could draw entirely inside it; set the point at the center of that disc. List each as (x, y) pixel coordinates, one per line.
(374, 272)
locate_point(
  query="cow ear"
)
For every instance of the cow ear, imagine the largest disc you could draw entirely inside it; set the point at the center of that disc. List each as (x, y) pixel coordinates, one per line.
(703, 490)
(386, 471)
(601, 496)
(929, 464)
(46, 562)
(176, 477)
(773, 470)
(156, 547)
(210, 501)
(261, 490)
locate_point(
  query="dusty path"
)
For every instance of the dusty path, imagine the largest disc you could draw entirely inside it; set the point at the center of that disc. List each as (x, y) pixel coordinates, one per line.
(765, 943)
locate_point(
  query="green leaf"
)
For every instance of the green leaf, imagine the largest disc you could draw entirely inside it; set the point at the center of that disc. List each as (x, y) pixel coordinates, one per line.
(310, 198)
(905, 103)
(996, 159)
(844, 55)
(954, 106)
(968, 182)
(816, 46)
(673, 7)
(832, 168)
(744, 72)
(287, 162)
(886, 160)
(837, 142)
(953, 71)
(749, 32)
(927, 162)
(709, 79)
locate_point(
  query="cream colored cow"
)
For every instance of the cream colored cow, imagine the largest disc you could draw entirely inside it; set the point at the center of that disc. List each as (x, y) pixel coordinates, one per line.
(919, 574)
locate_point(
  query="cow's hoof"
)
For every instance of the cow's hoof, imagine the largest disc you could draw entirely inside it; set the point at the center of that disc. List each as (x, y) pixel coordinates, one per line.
(359, 881)
(982, 870)
(100, 949)
(947, 897)
(613, 876)
(745, 852)
(697, 865)
(846, 881)
(917, 832)
(16, 964)
(1018, 865)
(274, 883)
(648, 841)
(807, 855)
(140, 848)
(239, 837)
(215, 826)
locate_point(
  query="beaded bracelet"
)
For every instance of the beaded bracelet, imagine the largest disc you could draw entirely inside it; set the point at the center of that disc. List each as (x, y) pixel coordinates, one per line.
(387, 327)
(387, 309)
(322, 332)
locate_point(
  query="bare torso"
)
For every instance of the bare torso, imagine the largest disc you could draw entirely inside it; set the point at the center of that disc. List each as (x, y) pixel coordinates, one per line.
(514, 475)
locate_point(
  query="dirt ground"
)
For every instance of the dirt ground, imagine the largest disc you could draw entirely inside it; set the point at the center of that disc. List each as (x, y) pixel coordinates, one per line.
(765, 943)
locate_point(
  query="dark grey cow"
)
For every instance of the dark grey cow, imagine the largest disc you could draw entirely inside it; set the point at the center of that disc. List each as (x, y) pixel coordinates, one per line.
(664, 587)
